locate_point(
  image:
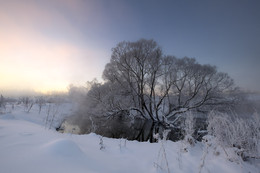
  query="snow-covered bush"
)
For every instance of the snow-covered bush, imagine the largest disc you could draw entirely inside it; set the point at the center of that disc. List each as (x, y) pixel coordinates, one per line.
(189, 128)
(241, 133)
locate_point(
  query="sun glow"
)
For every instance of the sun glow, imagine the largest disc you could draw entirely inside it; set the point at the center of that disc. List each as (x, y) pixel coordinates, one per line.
(34, 63)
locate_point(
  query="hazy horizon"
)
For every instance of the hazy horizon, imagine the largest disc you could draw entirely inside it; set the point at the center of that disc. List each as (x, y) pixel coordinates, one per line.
(48, 45)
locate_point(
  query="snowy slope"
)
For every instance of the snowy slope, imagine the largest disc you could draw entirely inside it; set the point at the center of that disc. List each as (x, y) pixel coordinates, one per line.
(27, 146)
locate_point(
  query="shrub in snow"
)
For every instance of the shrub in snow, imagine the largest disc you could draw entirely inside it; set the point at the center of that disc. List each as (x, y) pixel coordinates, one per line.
(51, 112)
(122, 145)
(189, 128)
(41, 102)
(162, 161)
(101, 143)
(243, 134)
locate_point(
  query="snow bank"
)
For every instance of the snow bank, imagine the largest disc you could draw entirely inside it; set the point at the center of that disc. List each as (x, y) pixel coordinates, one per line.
(26, 146)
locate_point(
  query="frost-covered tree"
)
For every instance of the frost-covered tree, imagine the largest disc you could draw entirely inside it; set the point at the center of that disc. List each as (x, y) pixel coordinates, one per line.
(40, 101)
(142, 81)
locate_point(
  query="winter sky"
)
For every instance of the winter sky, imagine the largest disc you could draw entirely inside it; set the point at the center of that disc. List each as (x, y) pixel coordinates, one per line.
(45, 45)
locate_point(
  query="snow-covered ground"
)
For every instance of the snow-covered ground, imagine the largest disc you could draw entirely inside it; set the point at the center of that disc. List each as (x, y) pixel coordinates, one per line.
(28, 145)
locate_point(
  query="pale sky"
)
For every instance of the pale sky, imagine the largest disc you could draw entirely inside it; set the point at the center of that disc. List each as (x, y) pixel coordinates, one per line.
(45, 45)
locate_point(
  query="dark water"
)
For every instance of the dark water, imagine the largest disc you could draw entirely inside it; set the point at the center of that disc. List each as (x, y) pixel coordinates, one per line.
(139, 130)
(122, 127)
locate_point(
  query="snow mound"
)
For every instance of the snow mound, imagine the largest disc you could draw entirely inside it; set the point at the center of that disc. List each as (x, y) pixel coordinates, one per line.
(63, 148)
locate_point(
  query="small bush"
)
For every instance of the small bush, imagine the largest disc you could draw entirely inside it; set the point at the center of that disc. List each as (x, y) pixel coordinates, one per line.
(241, 133)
